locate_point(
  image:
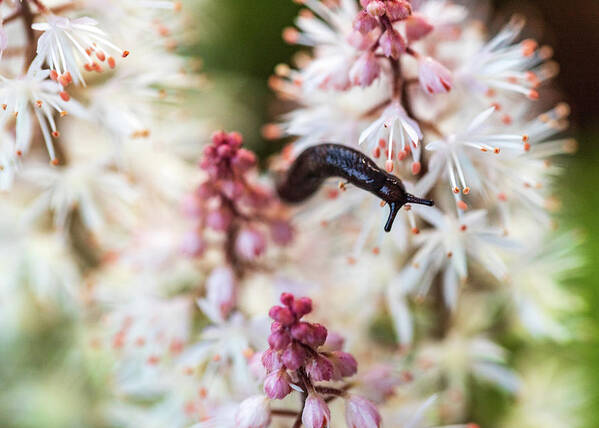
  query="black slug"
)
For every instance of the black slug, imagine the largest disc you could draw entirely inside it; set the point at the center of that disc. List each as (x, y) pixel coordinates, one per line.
(317, 163)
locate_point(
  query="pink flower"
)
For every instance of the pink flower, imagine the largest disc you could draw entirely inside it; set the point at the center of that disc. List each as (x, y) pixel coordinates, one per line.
(417, 27)
(364, 23)
(192, 205)
(281, 232)
(313, 335)
(345, 363)
(276, 384)
(250, 243)
(334, 342)
(434, 77)
(279, 339)
(398, 9)
(316, 413)
(271, 360)
(365, 70)
(253, 412)
(302, 306)
(380, 382)
(294, 356)
(320, 368)
(361, 413)
(376, 8)
(392, 43)
(193, 244)
(219, 219)
(221, 290)
(282, 315)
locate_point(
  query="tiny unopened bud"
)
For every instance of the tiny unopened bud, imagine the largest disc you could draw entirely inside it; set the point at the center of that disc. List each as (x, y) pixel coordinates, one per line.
(320, 368)
(271, 360)
(250, 244)
(279, 340)
(417, 27)
(302, 306)
(434, 77)
(364, 23)
(294, 356)
(219, 219)
(316, 413)
(253, 412)
(193, 244)
(221, 290)
(398, 10)
(365, 70)
(392, 44)
(276, 384)
(376, 8)
(281, 315)
(345, 363)
(361, 413)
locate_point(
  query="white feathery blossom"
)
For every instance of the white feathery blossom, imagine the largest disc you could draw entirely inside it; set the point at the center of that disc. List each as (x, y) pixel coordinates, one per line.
(35, 98)
(68, 45)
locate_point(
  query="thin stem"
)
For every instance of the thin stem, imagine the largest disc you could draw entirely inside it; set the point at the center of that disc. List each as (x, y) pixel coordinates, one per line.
(330, 391)
(283, 413)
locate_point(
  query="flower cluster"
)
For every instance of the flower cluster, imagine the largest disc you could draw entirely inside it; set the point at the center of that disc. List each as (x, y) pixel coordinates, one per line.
(229, 201)
(299, 356)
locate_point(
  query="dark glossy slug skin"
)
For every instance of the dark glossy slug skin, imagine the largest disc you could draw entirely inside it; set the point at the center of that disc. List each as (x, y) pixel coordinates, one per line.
(317, 163)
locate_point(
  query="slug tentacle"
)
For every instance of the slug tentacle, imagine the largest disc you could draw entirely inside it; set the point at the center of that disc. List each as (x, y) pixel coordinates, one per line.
(317, 163)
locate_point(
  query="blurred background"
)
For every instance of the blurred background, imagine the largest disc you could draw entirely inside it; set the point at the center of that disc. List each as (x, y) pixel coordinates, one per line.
(240, 43)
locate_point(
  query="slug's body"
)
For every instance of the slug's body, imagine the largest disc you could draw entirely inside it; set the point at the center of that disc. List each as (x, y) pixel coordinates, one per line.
(317, 163)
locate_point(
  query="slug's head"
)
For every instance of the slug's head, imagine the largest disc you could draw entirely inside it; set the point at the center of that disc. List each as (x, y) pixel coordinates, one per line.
(394, 193)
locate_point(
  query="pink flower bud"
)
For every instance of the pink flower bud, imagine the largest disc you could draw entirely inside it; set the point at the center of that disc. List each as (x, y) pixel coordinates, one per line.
(302, 306)
(287, 299)
(334, 342)
(380, 382)
(365, 3)
(434, 77)
(279, 339)
(250, 244)
(281, 232)
(364, 23)
(361, 413)
(365, 70)
(243, 161)
(417, 27)
(393, 44)
(320, 368)
(376, 8)
(221, 290)
(398, 10)
(316, 413)
(206, 191)
(219, 219)
(313, 335)
(253, 412)
(192, 206)
(271, 360)
(345, 363)
(294, 356)
(256, 366)
(276, 384)
(282, 315)
(193, 244)
(232, 189)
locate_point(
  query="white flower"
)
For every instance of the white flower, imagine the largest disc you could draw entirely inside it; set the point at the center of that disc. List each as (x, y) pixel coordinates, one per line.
(69, 44)
(253, 412)
(458, 356)
(447, 247)
(501, 66)
(34, 95)
(463, 157)
(395, 133)
(334, 55)
(100, 195)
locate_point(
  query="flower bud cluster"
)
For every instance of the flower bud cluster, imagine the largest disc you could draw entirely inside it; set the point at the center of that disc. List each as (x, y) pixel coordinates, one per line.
(230, 201)
(302, 353)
